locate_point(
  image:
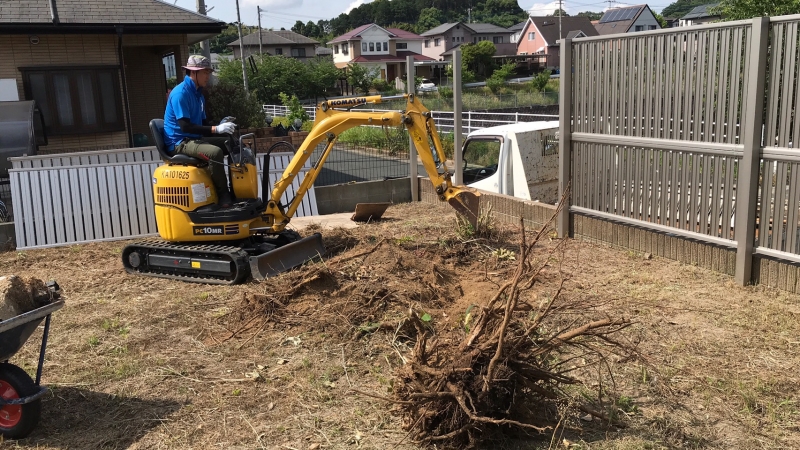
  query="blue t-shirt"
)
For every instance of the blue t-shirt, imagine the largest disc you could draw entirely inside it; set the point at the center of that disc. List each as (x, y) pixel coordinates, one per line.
(184, 102)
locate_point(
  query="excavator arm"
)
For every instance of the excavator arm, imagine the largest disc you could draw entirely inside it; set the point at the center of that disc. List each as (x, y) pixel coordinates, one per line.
(334, 117)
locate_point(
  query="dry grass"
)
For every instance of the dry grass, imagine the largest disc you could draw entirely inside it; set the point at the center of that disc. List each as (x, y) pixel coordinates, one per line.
(138, 362)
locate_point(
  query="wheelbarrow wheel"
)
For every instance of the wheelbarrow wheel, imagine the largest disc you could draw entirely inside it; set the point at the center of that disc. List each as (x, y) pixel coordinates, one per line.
(17, 421)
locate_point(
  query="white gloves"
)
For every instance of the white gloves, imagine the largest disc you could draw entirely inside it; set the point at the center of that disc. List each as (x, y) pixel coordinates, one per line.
(226, 128)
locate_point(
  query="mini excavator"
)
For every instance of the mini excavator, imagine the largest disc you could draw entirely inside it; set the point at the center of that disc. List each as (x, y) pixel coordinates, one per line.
(201, 242)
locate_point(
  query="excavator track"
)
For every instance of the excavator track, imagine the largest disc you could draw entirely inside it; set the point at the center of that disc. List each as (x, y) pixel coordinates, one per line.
(195, 263)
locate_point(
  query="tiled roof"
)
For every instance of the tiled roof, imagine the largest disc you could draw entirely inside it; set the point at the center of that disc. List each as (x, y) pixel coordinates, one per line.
(619, 20)
(280, 37)
(92, 12)
(441, 29)
(394, 33)
(401, 56)
(699, 12)
(488, 28)
(517, 27)
(548, 27)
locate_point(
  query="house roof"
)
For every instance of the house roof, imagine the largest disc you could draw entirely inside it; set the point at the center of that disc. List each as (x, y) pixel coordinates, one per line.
(702, 11)
(280, 37)
(481, 28)
(401, 56)
(323, 51)
(517, 27)
(441, 29)
(394, 33)
(619, 20)
(85, 15)
(548, 27)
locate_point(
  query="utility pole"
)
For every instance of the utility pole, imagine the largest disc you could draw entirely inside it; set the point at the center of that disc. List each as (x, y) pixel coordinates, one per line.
(260, 44)
(241, 48)
(204, 45)
(560, 36)
(469, 15)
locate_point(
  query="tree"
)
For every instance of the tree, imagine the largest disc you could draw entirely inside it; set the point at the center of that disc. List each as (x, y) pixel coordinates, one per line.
(681, 8)
(747, 9)
(591, 15)
(429, 18)
(478, 57)
(661, 20)
(499, 77)
(555, 13)
(360, 77)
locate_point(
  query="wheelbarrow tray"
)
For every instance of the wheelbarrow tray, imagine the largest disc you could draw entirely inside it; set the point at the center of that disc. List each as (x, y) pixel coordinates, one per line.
(15, 331)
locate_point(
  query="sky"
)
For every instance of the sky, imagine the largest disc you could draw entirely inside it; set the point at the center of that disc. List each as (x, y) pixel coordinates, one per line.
(279, 14)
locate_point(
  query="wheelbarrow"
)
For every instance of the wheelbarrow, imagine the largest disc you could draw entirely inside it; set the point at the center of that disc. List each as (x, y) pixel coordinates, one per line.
(20, 396)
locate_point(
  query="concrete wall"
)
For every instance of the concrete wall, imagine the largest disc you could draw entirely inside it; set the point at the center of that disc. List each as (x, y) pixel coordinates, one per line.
(343, 197)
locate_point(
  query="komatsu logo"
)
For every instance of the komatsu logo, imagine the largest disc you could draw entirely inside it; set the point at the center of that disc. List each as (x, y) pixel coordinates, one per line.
(203, 231)
(349, 102)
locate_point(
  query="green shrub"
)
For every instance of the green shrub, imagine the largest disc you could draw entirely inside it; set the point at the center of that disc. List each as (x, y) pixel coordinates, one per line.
(225, 99)
(445, 92)
(381, 85)
(540, 81)
(296, 110)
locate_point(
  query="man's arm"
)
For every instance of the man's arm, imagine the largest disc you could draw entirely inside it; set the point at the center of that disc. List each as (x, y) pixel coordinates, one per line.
(190, 128)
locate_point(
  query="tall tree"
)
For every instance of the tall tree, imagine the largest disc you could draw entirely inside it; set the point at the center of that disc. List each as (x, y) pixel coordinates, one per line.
(747, 9)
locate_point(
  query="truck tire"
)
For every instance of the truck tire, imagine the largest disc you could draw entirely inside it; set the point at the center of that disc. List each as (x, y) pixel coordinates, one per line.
(17, 421)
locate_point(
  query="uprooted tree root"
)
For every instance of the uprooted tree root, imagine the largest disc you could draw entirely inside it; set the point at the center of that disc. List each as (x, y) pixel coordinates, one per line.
(511, 369)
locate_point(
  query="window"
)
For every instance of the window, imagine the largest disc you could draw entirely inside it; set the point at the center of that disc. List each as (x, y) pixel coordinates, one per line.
(474, 40)
(481, 157)
(298, 53)
(386, 46)
(372, 46)
(336, 48)
(652, 27)
(402, 45)
(278, 51)
(345, 48)
(497, 39)
(427, 43)
(639, 28)
(531, 36)
(454, 38)
(363, 46)
(437, 42)
(76, 100)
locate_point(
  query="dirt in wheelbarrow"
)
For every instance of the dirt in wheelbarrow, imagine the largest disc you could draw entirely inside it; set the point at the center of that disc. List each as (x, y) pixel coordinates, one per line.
(391, 342)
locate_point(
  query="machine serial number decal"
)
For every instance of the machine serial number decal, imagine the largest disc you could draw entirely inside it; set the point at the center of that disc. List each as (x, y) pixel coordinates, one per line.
(180, 174)
(204, 231)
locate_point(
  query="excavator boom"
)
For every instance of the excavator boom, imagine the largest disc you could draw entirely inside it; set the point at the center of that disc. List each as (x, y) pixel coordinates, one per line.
(334, 117)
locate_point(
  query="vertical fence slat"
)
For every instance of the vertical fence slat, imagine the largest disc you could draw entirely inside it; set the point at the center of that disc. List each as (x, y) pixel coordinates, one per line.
(791, 222)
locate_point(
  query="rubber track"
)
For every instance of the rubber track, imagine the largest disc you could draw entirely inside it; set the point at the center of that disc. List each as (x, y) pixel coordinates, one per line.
(239, 257)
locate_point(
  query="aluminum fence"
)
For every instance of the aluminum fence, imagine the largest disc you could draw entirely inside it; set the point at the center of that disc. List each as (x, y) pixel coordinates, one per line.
(688, 131)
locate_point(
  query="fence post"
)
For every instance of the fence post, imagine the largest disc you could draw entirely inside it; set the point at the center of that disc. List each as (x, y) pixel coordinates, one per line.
(458, 138)
(747, 184)
(565, 135)
(412, 150)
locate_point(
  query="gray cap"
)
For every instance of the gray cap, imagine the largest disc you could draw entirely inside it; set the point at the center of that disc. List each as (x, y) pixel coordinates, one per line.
(198, 62)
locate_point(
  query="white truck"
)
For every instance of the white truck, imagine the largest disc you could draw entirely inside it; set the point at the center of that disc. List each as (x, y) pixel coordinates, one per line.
(520, 160)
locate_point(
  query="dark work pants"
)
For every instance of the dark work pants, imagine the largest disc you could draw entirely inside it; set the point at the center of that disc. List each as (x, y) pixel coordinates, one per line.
(214, 149)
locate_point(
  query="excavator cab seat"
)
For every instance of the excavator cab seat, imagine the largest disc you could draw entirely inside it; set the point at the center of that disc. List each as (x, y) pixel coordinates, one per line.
(157, 129)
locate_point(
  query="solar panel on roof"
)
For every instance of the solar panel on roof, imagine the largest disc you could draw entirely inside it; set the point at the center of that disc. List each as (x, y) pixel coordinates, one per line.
(616, 15)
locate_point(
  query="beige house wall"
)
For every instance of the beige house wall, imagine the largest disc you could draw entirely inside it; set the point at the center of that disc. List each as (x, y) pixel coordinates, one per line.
(143, 66)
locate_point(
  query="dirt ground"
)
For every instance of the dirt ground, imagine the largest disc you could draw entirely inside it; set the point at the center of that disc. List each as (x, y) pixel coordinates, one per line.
(146, 363)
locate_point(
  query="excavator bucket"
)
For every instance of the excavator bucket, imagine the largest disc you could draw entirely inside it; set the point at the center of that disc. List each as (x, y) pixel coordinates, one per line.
(466, 203)
(286, 257)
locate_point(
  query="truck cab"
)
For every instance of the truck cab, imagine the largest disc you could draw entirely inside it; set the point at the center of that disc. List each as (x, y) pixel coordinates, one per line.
(520, 160)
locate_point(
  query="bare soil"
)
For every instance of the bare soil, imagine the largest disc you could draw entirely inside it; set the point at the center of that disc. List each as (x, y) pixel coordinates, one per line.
(301, 361)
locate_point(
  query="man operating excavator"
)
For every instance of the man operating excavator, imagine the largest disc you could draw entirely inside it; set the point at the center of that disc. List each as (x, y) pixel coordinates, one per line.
(187, 130)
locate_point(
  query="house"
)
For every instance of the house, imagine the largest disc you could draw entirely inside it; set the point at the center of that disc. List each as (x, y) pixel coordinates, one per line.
(701, 14)
(540, 36)
(383, 49)
(627, 20)
(438, 42)
(516, 31)
(95, 67)
(217, 58)
(280, 42)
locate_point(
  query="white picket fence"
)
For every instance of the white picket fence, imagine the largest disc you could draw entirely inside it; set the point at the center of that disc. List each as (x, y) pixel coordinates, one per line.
(102, 196)
(444, 120)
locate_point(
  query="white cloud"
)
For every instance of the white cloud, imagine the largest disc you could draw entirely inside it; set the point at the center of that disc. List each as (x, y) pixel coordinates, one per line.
(354, 4)
(544, 9)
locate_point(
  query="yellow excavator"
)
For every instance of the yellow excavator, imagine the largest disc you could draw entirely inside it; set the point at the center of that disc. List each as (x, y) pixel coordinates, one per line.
(201, 242)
